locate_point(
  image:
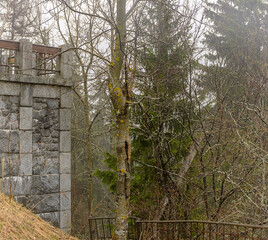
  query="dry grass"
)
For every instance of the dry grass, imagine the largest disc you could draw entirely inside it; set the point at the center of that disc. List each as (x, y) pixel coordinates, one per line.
(17, 222)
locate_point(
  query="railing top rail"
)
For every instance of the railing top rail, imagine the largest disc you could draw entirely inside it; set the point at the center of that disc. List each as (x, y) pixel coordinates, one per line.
(7, 44)
(46, 49)
(204, 222)
(14, 45)
(99, 218)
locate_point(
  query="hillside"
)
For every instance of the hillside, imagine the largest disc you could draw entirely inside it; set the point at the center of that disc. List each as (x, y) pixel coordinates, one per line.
(17, 222)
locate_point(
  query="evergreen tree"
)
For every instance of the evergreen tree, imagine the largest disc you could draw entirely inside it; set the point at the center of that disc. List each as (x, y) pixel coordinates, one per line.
(163, 115)
(236, 78)
(237, 42)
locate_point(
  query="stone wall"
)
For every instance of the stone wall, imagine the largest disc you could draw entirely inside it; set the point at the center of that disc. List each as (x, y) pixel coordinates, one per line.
(35, 145)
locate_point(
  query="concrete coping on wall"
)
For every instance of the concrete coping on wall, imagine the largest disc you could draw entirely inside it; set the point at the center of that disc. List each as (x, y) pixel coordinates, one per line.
(42, 80)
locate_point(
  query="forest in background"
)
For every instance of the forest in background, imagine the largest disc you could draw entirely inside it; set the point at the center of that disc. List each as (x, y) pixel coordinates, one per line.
(169, 99)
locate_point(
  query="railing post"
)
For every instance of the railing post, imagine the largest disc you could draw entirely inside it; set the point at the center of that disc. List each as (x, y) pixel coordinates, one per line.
(3, 60)
(25, 57)
(66, 71)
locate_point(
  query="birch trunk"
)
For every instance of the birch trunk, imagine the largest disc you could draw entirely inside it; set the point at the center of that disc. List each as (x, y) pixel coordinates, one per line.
(120, 95)
(88, 143)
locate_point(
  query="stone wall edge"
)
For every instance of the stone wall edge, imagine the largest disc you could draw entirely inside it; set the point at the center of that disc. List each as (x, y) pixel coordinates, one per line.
(4, 77)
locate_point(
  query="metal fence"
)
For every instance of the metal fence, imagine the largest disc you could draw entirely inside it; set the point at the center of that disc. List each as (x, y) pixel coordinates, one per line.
(165, 230)
(102, 229)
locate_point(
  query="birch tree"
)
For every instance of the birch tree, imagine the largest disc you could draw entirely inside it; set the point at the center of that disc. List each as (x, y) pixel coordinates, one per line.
(120, 93)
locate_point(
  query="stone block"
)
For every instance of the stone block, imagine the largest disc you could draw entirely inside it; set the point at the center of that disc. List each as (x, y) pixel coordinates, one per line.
(25, 164)
(9, 105)
(46, 184)
(44, 203)
(26, 141)
(37, 137)
(13, 121)
(2, 187)
(65, 201)
(53, 104)
(42, 91)
(66, 97)
(26, 95)
(65, 163)
(51, 217)
(4, 122)
(1, 167)
(44, 164)
(16, 165)
(19, 185)
(53, 147)
(3, 102)
(65, 182)
(14, 100)
(65, 119)
(65, 62)
(21, 199)
(9, 141)
(66, 230)
(26, 116)
(40, 80)
(9, 165)
(65, 141)
(9, 109)
(8, 88)
(65, 219)
(25, 57)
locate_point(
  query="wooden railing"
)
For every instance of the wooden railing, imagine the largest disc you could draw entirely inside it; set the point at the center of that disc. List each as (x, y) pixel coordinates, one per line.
(8, 53)
(102, 229)
(14, 45)
(23, 57)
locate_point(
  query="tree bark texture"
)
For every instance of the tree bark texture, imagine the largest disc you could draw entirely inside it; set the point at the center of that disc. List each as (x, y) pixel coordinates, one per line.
(120, 96)
(89, 151)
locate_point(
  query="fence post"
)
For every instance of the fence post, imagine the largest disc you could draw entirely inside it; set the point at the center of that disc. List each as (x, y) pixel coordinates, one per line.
(25, 57)
(90, 229)
(138, 229)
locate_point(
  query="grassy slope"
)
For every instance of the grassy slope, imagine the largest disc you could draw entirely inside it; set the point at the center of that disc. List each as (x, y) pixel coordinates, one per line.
(17, 222)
